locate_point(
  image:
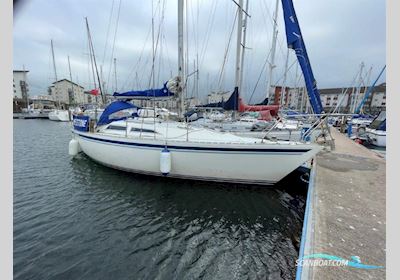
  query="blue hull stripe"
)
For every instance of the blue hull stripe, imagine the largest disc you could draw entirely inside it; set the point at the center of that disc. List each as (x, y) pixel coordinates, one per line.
(291, 151)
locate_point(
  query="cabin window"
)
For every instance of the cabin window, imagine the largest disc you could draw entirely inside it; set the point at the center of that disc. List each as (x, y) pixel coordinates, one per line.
(116, 127)
(142, 130)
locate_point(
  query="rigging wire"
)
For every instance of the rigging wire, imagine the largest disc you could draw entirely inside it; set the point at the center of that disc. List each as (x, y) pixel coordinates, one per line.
(136, 66)
(208, 32)
(108, 31)
(259, 77)
(226, 52)
(113, 46)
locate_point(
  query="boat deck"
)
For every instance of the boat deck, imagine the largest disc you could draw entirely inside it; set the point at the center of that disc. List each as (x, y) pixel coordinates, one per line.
(346, 210)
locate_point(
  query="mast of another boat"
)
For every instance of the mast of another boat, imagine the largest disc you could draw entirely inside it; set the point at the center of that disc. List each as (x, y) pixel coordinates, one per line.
(70, 77)
(94, 68)
(238, 67)
(55, 71)
(243, 46)
(115, 74)
(26, 92)
(283, 90)
(180, 58)
(273, 49)
(357, 93)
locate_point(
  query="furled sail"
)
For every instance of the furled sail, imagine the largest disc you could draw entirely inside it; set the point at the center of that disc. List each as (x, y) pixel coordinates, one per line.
(295, 41)
(169, 89)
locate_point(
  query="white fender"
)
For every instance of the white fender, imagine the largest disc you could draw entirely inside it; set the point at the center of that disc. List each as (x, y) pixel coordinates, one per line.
(165, 161)
(73, 147)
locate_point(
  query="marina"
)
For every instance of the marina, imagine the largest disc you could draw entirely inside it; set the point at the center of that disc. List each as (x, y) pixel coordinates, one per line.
(174, 174)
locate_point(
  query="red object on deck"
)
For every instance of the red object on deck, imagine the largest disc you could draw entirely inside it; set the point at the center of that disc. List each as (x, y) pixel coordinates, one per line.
(273, 109)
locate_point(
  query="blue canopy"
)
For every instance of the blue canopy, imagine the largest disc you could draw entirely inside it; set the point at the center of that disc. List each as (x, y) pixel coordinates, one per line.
(145, 94)
(114, 107)
(295, 41)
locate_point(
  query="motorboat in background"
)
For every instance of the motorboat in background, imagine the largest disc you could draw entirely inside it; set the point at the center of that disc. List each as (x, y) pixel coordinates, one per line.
(60, 115)
(376, 131)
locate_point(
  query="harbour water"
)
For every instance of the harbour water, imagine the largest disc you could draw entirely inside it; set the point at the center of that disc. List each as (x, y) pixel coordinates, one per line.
(75, 219)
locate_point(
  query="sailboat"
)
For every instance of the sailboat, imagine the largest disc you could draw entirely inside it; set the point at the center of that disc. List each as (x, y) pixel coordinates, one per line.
(123, 140)
(57, 114)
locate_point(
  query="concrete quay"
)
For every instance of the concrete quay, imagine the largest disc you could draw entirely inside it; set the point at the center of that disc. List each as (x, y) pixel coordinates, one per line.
(346, 213)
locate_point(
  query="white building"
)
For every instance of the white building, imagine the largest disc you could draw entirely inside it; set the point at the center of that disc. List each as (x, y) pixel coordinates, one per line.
(20, 85)
(67, 92)
(297, 98)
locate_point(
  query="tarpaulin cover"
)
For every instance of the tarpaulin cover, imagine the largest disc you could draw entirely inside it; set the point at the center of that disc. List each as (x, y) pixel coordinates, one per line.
(113, 108)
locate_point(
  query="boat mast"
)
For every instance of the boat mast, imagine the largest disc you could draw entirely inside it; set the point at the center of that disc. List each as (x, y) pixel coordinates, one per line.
(243, 46)
(355, 96)
(273, 49)
(283, 91)
(115, 74)
(55, 71)
(366, 95)
(91, 48)
(70, 77)
(238, 44)
(24, 91)
(180, 56)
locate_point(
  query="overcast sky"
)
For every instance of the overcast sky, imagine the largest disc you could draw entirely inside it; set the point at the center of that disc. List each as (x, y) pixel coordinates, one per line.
(338, 34)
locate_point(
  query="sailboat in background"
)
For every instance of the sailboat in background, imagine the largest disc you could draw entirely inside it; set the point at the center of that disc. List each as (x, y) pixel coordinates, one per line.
(57, 114)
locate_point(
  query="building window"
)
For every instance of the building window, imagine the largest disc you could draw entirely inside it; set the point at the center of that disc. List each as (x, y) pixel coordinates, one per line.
(383, 103)
(384, 97)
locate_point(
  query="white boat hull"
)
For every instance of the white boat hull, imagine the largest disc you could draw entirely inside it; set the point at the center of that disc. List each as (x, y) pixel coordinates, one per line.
(59, 115)
(376, 137)
(240, 163)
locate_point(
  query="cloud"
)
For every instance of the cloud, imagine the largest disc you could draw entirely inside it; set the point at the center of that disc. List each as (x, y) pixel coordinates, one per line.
(338, 34)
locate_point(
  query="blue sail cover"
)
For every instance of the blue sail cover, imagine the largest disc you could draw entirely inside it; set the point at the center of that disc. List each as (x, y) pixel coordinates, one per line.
(114, 107)
(295, 42)
(145, 94)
